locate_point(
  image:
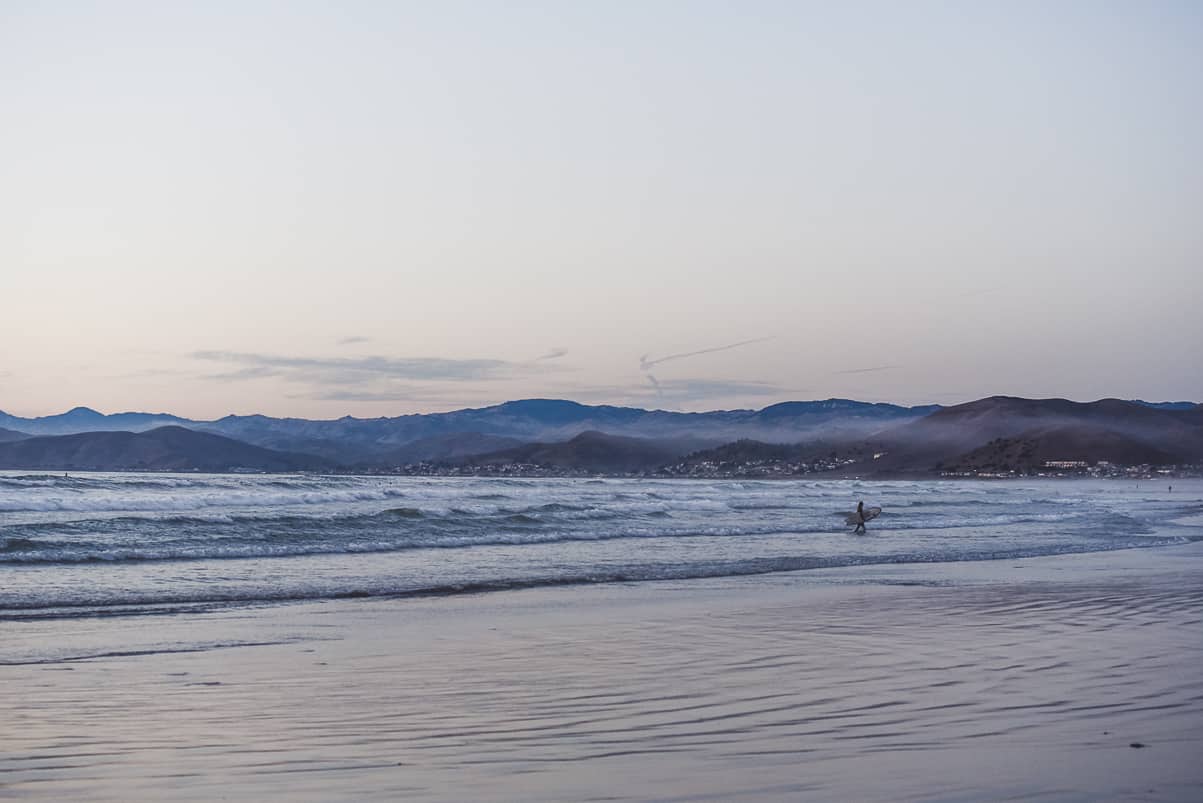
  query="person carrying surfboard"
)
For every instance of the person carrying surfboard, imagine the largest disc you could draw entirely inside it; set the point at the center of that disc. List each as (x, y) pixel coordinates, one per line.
(860, 517)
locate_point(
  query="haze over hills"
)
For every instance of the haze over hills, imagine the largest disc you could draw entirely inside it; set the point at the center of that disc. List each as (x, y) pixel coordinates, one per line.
(1020, 434)
(592, 451)
(446, 447)
(994, 435)
(85, 419)
(997, 435)
(349, 439)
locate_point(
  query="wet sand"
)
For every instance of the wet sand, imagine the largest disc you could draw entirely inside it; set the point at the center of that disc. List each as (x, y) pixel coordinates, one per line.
(1018, 679)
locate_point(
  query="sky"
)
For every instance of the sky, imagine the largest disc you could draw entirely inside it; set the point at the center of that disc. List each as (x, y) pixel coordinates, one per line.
(377, 208)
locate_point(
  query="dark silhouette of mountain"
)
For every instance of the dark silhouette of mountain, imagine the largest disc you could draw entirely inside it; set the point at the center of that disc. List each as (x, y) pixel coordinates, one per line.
(746, 451)
(1108, 429)
(1028, 453)
(351, 439)
(591, 451)
(756, 458)
(170, 448)
(838, 409)
(446, 447)
(7, 435)
(913, 439)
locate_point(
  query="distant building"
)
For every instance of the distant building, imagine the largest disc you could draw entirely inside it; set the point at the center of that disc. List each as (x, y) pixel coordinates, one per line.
(1065, 464)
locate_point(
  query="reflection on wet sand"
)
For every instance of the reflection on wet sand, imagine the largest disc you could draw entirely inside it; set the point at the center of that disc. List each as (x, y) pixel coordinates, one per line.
(750, 688)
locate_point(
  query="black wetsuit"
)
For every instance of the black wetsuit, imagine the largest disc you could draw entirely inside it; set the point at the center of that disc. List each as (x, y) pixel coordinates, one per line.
(860, 517)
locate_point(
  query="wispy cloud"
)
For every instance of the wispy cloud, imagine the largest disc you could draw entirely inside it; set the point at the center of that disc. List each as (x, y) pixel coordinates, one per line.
(553, 354)
(352, 340)
(645, 362)
(377, 378)
(431, 396)
(400, 394)
(866, 370)
(345, 370)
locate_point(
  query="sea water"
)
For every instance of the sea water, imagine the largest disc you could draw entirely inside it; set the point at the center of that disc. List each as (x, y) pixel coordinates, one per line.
(106, 544)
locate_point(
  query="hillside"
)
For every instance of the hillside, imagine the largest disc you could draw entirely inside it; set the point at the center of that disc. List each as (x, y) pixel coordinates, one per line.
(1021, 433)
(590, 451)
(858, 438)
(446, 447)
(8, 435)
(990, 436)
(1028, 453)
(85, 419)
(170, 448)
(372, 440)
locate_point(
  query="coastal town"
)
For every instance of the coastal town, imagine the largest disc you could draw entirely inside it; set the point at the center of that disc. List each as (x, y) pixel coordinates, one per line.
(830, 467)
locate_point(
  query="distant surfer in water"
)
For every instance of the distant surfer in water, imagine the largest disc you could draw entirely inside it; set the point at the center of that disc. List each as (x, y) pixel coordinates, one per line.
(860, 517)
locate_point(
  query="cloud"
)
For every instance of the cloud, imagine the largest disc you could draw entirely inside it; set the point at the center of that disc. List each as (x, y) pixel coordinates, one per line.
(352, 340)
(866, 370)
(362, 395)
(351, 370)
(458, 397)
(554, 354)
(377, 378)
(645, 363)
(674, 392)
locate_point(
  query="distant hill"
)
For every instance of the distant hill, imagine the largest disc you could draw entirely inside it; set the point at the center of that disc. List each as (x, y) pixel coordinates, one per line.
(1029, 452)
(351, 440)
(750, 458)
(591, 451)
(998, 434)
(844, 432)
(745, 451)
(446, 447)
(1022, 432)
(7, 435)
(85, 419)
(165, 448)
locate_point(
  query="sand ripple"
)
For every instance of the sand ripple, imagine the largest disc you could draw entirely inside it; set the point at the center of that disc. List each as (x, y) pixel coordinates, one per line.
(1033, 690)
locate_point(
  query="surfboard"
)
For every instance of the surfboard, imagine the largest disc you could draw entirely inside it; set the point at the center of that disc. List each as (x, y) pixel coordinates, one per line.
(870, 514)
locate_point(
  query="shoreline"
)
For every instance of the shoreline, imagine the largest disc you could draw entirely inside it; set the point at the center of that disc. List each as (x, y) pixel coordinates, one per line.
(1184, 472)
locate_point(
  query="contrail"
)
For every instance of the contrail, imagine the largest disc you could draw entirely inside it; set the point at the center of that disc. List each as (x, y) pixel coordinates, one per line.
(645, 363)
(659, 390)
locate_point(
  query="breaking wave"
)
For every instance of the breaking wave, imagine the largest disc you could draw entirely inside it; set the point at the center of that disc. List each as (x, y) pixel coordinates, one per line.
(107, 541)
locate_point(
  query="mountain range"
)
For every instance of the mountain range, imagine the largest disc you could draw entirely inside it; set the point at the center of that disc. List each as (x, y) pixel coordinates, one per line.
(409, 438)
(999, 433)
(169, 448)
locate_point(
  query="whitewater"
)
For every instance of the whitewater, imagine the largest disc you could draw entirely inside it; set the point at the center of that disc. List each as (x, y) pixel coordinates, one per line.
(102, 544)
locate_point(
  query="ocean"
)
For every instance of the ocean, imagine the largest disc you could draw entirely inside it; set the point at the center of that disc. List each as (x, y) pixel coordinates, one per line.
(89, 545)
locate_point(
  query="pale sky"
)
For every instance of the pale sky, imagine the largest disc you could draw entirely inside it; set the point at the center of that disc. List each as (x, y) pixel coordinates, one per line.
(364, 208)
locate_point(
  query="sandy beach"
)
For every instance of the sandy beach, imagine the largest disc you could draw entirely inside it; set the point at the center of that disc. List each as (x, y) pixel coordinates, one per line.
(1015, 679)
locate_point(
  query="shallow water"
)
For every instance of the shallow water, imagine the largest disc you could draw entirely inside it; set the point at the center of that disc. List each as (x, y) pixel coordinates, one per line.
(1007, 680)
(95, 544)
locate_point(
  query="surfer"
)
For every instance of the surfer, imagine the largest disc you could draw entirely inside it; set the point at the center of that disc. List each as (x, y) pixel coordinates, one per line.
(860, 517)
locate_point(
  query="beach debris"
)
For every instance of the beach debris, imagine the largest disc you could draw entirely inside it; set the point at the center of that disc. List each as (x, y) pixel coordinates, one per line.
(1137, 744)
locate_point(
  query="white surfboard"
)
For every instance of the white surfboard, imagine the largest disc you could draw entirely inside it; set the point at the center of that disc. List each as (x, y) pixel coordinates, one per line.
(870, 514)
